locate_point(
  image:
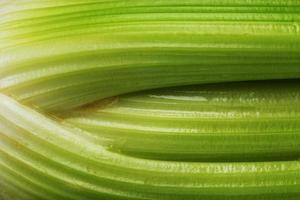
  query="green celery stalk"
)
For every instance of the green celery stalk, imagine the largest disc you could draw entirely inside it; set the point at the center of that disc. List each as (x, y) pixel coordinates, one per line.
(224, 141)
(251, 121)
(63, 54)
(51, 160)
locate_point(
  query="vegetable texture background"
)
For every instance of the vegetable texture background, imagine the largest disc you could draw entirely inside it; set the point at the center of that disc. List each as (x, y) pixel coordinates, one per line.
(89, 107)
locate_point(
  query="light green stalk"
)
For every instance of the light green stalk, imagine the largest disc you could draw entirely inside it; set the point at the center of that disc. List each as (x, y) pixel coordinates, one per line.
(221, 122)
(61, 56)
(51, 160)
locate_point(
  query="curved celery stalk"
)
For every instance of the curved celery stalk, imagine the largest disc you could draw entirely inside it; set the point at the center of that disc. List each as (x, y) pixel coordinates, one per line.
(221, 122)
(64, 54)
(51, 160)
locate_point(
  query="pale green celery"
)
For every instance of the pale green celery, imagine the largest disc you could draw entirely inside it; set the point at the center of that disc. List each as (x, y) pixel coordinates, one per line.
(59, 57)
(52, 160)
(222, 122)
